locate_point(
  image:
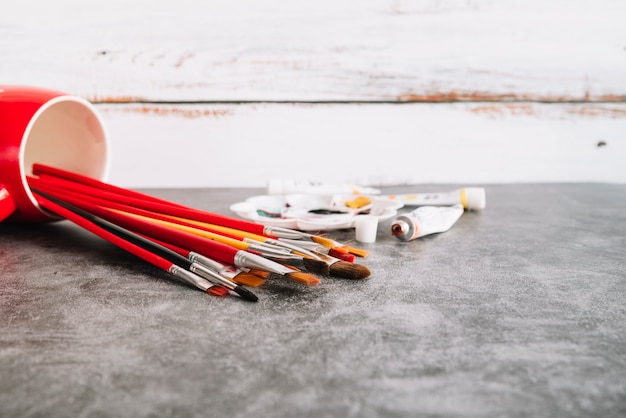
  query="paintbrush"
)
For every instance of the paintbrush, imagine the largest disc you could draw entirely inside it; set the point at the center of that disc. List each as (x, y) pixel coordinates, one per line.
(150, 246)
(160, 262)
(314, 262)
(214, 249)
(95, 187)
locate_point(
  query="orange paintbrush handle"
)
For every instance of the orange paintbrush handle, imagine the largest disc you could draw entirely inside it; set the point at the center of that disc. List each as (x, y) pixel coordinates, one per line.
(224, 229)
(240, 245)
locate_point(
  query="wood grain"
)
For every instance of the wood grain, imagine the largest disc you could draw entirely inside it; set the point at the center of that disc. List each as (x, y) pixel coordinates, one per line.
(326, 50)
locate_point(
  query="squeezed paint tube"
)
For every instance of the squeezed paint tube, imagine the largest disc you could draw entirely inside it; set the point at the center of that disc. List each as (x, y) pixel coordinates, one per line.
(472, 198)
(425, 220)
(282, 187)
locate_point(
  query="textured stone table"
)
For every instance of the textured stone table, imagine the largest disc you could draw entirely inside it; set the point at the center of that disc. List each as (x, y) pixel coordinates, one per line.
(519, 310)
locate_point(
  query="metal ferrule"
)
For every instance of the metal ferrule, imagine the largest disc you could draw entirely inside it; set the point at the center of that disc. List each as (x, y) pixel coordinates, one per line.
(284, 232)
(304, 247)
(189, 277)
(243, 258)
(284, 257)
(225, 270)
(269, 250)
(205, 261)
(212, 276)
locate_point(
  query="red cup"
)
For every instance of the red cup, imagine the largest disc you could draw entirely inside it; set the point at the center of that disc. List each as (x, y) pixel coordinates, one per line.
(47, 127)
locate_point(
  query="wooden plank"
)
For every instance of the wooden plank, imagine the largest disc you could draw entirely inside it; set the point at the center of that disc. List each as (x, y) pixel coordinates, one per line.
(323, 50)
(376, 144)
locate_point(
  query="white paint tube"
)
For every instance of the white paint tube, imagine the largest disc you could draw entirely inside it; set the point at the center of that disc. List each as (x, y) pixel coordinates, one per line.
(283, 187)
(425, 220)
(472, 198)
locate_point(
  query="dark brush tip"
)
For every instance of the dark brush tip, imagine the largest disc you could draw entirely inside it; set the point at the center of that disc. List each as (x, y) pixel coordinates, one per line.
(316, 266)
(349, 270)
(245, 294)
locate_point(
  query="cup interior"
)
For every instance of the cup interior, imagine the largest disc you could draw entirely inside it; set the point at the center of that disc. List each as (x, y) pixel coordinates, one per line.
(66, 133)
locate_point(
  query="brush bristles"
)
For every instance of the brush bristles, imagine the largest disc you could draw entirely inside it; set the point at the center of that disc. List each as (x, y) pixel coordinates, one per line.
(218, 291)
(304, 278)
(356, 251)
(259, 273)
(245, 294)
(248, 279)
(329, 243)
(338, 268)
(349, 270)
(316, 266)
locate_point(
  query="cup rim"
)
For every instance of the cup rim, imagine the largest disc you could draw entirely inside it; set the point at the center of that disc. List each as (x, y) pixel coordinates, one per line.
(43, 108)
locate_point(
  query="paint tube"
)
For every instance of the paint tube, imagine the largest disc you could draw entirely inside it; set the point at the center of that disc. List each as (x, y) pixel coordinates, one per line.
(282, 187)
(425, 220)
(472, 198)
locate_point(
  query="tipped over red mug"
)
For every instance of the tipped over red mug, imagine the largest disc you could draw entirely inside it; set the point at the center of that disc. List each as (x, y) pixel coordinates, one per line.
(49, 127)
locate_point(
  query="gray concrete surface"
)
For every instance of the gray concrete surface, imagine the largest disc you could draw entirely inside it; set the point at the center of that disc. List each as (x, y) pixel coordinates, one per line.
(516, 311)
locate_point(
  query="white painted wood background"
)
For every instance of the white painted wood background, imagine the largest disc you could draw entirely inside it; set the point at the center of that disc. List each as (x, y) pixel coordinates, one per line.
(232, 93)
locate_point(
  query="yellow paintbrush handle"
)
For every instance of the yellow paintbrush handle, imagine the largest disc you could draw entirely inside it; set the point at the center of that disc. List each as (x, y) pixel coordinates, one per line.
(225, 229)
(240, 245)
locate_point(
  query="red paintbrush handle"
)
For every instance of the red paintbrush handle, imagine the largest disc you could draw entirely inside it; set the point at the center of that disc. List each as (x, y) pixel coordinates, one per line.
(104, 234)
(175, 248)
(54, 188)
(210, 248)
(157, 206)
(43, 171)
(146, 255)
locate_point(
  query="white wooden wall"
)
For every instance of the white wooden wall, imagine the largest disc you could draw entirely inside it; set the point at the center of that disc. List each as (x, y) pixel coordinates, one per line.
(199, 93)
